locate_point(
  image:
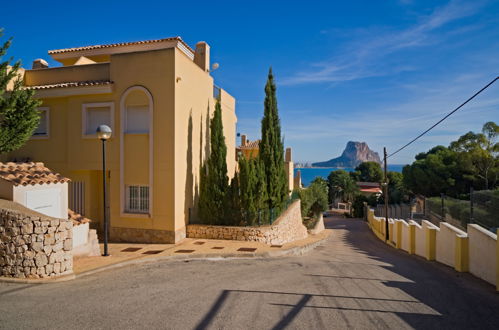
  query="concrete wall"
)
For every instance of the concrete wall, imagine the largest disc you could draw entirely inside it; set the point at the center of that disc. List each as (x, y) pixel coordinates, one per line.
(420, 239)
(80, 235)
(287, 228)
(405, 235)
(33, 245)
(483, 262)
(476, 251)
(20, 195)
(446, 243)
(88, 72)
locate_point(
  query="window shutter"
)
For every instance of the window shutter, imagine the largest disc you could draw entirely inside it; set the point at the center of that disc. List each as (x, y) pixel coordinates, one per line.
(137, 119)
(96, 117)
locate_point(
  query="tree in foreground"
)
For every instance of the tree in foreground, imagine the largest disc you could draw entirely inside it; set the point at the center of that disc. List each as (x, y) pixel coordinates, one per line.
(18, 108)
(369, 172)
(272, 149)
(314, 198)
(214, 180)
(341, 186)
(470, 161)
(253, 192)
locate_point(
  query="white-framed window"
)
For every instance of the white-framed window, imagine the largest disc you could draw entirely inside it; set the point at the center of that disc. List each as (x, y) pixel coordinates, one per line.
(137, 119)
(96, 114)
(42, 131)
(136, 199)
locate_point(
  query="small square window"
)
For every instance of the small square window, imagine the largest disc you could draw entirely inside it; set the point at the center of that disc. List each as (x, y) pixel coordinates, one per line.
(43, 126)
(96, 114)
(137, 199)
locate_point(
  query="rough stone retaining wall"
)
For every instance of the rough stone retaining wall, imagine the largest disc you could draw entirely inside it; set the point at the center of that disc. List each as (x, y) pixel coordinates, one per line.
(287, 228)
(33, 245)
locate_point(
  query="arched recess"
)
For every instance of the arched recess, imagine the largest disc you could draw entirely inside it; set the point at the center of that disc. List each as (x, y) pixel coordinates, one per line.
(130, 98)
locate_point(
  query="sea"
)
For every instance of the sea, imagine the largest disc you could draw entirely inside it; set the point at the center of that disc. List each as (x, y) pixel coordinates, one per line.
(310, 173)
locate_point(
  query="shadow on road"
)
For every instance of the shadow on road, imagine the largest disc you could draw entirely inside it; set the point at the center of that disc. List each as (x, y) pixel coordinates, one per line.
(428, 295)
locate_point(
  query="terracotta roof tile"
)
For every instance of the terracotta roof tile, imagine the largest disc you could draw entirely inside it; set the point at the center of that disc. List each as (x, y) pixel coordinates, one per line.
(77, 218)
(251, 145)
(72, 84)
(76, 49)
(29, 174)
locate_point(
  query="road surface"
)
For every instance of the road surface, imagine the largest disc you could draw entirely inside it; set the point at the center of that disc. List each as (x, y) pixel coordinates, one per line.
(352, 281)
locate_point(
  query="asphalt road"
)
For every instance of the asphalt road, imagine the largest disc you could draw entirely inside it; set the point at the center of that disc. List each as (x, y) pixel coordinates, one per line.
(352, 281)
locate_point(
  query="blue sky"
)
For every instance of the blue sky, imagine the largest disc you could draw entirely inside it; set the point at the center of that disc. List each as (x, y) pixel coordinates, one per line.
(373, 71)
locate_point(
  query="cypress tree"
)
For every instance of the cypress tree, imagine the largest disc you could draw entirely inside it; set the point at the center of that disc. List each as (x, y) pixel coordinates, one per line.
(18, 108)
(214, 180)
(233, 208)
(252, 189)
(272, 149)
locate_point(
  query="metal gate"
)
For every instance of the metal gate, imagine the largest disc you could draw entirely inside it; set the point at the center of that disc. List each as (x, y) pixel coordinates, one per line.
(77, 196)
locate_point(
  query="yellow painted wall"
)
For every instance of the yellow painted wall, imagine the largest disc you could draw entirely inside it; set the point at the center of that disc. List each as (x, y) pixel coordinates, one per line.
(194, 106)
(153, 70)
(181, 111)
(99, 71)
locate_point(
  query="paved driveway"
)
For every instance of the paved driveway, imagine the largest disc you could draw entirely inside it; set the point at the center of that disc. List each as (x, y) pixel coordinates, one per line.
(352, 281)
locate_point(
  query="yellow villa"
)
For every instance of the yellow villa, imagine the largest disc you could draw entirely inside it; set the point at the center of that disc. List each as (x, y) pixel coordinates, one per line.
(157, 97)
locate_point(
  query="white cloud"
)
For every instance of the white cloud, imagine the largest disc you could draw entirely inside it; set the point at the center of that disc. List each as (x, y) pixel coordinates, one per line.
(366, 55)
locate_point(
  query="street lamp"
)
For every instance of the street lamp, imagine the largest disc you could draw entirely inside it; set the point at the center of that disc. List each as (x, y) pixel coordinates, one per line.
(104, 133)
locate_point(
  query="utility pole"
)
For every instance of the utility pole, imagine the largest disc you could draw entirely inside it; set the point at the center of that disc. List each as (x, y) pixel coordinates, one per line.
(385, 192)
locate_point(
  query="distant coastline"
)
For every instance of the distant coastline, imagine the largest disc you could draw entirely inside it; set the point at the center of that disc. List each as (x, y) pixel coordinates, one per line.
(310, 173)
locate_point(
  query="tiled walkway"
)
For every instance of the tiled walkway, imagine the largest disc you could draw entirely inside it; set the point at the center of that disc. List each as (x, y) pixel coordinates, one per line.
(124, 253)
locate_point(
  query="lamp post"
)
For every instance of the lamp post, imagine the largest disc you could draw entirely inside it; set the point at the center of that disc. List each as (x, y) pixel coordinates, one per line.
(104, 133)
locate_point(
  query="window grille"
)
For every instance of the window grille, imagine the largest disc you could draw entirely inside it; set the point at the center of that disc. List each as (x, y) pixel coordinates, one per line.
(137, 199)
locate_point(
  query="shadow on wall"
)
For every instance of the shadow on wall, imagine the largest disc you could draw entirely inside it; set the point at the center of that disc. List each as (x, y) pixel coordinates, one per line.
(427, 295)
(189, 180)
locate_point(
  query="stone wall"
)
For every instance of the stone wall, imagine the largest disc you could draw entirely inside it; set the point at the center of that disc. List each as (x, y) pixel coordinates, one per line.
(33, 245)
(138, 235)
(287, 228)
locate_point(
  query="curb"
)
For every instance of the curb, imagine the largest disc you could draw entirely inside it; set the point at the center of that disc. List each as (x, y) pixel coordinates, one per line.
(293, 251)
(63, 278)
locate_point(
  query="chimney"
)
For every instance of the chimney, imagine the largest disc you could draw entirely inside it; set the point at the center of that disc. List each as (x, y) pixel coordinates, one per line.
(202, 56)
(243, 140)
(288, 155)
(40, 63)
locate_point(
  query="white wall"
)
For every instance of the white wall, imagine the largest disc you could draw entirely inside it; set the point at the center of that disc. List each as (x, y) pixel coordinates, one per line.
(49, 199)
(446, 243)
(80, 235)
(405, 236)
(483, 261)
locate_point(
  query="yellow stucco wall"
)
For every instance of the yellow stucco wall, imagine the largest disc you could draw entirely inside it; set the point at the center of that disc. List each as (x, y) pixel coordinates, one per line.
(180, 109)
(194, 106)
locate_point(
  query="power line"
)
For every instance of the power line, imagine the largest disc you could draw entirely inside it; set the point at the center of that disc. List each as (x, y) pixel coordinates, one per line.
(444, 118)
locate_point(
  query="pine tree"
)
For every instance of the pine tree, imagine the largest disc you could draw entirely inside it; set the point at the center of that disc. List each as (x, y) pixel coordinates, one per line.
(19, 116)
(214, 180)
(272, 149)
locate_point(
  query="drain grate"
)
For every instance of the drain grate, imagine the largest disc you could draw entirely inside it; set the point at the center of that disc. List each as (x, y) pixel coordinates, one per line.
(276, 246)
(184, 251)
(131, 249)
(245, 249)
(199, 243)
(153, 252)
(217, 247)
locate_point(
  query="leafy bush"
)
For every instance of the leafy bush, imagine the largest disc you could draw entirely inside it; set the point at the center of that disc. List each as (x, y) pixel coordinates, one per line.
(313, 199)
